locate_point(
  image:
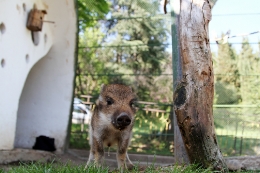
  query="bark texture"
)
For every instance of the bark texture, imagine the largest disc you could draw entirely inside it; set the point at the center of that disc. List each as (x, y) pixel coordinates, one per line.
(193, 97)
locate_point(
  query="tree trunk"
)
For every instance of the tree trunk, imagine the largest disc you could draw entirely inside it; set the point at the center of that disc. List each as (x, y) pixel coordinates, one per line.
(193, 96)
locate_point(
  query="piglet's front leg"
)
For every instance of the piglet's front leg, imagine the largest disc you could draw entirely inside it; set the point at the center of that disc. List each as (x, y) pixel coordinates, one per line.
(121, 159)
(96, 152)
(122, 155)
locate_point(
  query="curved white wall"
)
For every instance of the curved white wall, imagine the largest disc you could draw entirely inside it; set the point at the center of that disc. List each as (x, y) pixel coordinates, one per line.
(36, 80)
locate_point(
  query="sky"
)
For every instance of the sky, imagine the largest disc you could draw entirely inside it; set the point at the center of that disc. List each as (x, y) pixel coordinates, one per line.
(237, 24)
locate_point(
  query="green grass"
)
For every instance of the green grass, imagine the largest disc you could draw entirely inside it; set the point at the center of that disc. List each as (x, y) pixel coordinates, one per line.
(236, 146)
(68, 168)
(237, 131)
(79, 139)
(53, 168)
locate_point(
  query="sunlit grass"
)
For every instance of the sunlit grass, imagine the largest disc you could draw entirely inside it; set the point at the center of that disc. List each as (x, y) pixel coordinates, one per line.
(69, 168)
(54, 168)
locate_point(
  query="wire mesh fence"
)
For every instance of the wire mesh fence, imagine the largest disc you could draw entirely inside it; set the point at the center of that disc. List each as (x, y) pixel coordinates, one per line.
(131, 44)
(237, 132)
(237, 116)
(152, 132)
(237, 128)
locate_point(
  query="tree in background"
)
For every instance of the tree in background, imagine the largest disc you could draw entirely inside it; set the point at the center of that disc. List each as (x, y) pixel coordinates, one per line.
(246, 58)
(227, 80)
(236, 74)
(89, 11)
(162, 92)
(89, 36)
(139, 38)
(258, 53)
(126, 48)
(248, 63)
(88, 64)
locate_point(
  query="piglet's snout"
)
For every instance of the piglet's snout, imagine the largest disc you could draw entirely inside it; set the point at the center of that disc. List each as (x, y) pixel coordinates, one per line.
(123, 120)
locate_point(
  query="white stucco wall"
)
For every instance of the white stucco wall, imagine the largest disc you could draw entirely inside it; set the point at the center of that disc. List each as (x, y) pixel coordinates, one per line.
(36, 92)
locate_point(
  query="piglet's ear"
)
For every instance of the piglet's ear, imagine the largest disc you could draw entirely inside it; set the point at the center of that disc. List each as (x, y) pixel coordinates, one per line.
(100, 98)
(131, 88)
(97, 102)
(102, 87)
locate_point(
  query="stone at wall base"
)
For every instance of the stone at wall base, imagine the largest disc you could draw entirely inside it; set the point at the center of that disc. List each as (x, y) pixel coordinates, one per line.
(25, 155)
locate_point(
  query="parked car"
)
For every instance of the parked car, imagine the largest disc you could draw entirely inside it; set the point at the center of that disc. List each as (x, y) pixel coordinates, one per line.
(81, 112)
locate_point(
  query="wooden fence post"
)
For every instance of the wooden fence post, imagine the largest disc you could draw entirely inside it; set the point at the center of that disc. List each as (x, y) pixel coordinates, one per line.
(180, 153)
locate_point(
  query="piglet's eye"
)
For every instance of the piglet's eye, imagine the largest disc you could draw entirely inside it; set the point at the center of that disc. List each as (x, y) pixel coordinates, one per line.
(133, 103)
(109, 101)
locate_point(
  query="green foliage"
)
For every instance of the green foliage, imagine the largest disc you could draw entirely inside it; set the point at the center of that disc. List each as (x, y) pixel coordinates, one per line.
(91, 10)
(249, 67)
(247, 59)
(140, 36)
(236, 75)
(90, 64)
(227, 65)
(126, 48)
(79, 139)
(227, 75)
(223, 90)
(237, 80)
